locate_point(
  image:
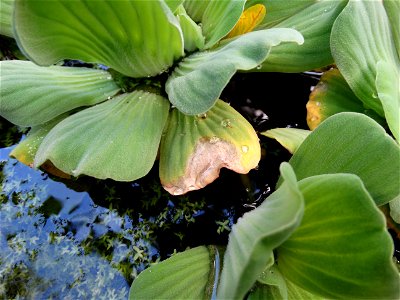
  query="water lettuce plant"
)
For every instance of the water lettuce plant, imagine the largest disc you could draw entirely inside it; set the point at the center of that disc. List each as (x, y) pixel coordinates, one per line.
(108, 121)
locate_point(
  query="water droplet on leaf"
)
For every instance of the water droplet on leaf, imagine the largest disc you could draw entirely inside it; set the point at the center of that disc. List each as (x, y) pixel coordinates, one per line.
(245, 149)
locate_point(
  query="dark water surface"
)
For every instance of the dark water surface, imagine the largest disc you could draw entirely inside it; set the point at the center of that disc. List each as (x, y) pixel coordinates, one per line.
(87, 238)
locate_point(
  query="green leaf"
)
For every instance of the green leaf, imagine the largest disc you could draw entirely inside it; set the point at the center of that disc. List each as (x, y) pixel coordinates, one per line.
(195, 148)
(192, 35)
(333, 95)
(217, 17)
(32, 95)
(395, 210)
(352, 143)
(392, 8)
(191, 274)
(173, 4)
(273, 285)
(124, 35)
(342, 248)
(6, 15)
(197, 82)
(361, 37)
(314, 22)
(257, 233)
(111, 140)
(297, 293)
(388, 89)
(290, 138)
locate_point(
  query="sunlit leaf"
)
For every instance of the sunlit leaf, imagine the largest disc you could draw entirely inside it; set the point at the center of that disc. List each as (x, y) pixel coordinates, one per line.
(114, 33)
(195, 148)
(290, 138)
(333, 95)
(392, 8)
(361, 37)
(342, 248)
(217, 18)
(314, 22)
(257, 233)
(114, 139)
(192, 34)
(352, 143)
(187, 275)
(197, 82)
(249, 19)
(173, 4)
(6, 13)
(388, 89)
(32, 95)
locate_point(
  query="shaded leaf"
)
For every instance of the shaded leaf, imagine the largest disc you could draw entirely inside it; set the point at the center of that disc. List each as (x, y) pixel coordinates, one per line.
(336, 252)
(333, 95)
(111, 140)
(395, 210)
(290, 138)
(192, 35)
(32, 95)
(114, 33)
(273, 284)
(361, 37)
(352, 143)
(314, 22)
(257, 233)
(197, 82)
(6, 14)
(185, 275)
(195, 148)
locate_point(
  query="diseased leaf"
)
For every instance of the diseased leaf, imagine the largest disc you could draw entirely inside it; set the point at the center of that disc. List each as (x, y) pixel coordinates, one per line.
(111, 140)
(185, 275)
(352, 143)
(257, 233)
(249, 19)
(31, 95)
(195, 148)
(197, 82)
(342, 248)
(333, 95)
(114, 33)
(361, 37)
(290, 138)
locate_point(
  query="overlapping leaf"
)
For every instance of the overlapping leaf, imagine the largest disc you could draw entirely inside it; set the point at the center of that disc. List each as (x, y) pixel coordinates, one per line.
(290, 138)
(32, 95)
(187, 275)
(195, 148)
(197, 82)
(6, 13)
(136, 38)
(111, 140)
(342, 248)
(257, 233)
(352, 143)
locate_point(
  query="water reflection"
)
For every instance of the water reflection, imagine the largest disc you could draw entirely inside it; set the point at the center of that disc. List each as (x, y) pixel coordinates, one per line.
(51, 246)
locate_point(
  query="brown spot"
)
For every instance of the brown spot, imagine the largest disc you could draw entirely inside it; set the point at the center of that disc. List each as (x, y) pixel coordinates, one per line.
(50, 168)
(204, 165)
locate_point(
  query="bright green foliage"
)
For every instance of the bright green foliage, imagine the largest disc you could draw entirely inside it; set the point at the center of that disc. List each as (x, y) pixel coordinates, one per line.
(192, 34)
(31, 95)
(123, 142)
(213, 69)
(364, 48)
(352, 143)
(290, 138)
(187, 275)
(6, 11)
(114, 33)
(257, 233)
(336, 252)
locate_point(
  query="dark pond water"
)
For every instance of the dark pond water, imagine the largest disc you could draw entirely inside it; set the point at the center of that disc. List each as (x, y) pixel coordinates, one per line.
(87, 238)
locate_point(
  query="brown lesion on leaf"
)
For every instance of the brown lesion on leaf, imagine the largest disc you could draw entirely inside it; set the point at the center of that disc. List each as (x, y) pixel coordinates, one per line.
(205, 163)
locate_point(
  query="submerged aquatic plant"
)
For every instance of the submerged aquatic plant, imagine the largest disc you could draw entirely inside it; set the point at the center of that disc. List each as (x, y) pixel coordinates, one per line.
(108, 122)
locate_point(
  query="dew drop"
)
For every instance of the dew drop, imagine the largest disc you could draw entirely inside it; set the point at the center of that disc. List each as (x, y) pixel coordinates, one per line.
(109, 97)
(214, 140)
(226, 123)
(178, 191)
(245, 149)
(374, 95)
(313, 119)
(318, 103)
(259, 67)
(203, 116)
(109, 77)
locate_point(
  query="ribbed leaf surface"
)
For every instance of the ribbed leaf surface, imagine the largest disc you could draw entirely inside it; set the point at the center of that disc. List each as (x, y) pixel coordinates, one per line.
(352, 143)
(32, 95)
(290, 138)
(136, 38)
(183, 276)
(342, 249)
(257, 233)
(361, 37)
(6, 13)
(195, 148)
(117, 139)
(314, 22)
(197, 82)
